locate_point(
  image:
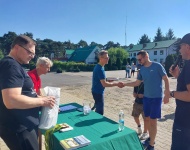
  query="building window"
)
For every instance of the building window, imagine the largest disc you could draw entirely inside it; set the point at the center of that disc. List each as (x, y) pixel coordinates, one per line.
(134, 54)
(161, 52)
(155, 59)
(131, 55)
(155, 52)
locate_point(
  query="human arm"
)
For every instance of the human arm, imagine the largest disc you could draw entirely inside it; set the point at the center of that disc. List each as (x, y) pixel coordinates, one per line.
(110, 84)
(167, 91)
(183, 95)
(13, 99)
(133, 84)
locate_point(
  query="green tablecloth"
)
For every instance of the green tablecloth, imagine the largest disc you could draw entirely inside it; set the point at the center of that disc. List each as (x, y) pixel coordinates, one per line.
(101, 131)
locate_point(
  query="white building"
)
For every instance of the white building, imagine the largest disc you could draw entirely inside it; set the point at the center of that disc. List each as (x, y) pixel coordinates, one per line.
(158, 51)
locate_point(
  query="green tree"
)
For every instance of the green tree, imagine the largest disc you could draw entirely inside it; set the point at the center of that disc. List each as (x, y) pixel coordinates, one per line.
(1, 54)
(159, 36)
(82, 43)
(170, 35)
(144, 39)
(7, 40)
(115, 53)
(118, 63)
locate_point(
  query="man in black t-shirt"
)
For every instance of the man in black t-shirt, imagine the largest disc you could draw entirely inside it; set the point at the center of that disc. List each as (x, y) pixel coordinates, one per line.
(19, 104)
(181, 126)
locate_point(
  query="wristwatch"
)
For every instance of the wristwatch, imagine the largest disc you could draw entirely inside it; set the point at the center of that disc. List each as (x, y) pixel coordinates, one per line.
(172, 93)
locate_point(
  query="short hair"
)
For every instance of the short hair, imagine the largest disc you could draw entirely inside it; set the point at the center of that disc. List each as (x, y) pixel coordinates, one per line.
(44, 61)
(22, 40)
(102, 52)
(143, 53)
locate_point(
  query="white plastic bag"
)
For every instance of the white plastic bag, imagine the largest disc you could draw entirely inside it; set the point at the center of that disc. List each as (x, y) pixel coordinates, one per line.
(49, 115)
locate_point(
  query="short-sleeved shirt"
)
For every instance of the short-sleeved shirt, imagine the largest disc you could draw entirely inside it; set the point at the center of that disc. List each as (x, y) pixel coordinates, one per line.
(98, 74)
(139, 90)
(12, 75)
(36, 80)
(182, 113)
(152, 78)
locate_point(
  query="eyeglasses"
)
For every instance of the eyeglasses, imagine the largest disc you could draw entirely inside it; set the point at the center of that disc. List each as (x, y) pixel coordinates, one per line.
(28, 51)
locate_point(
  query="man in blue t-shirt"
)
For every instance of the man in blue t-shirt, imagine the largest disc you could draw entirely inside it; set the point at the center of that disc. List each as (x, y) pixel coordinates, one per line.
(19, 103)
(181, 126)
(152, 74)
(99, 82)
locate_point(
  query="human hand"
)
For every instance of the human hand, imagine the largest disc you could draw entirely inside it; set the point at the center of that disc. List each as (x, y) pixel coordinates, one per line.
(166, 99)
(48, 101)
(120, 84)
(175, 72)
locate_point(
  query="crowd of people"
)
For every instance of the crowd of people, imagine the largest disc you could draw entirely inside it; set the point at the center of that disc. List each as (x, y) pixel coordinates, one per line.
(21, 99)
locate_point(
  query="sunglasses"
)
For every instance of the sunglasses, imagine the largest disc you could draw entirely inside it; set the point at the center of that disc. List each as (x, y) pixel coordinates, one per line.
(28, 51)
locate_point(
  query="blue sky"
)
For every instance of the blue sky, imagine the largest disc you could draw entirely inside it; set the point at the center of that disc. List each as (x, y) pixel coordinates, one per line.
(94, 20)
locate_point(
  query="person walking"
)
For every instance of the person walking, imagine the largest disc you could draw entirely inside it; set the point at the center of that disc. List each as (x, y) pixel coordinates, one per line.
(99, 82)
(152, 74)
(181, 125)
(19, 103)
(128, 68)
(133, 67)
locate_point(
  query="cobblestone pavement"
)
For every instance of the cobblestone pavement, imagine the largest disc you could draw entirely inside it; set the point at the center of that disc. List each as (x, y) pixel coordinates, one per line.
(71, 80)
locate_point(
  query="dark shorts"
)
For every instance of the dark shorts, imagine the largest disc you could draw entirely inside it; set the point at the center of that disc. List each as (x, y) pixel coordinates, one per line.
(180, 138)
(152, 107)
(137, 110)
(26, 140)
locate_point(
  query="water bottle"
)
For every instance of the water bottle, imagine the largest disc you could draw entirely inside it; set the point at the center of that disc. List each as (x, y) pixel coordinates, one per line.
(121, 120)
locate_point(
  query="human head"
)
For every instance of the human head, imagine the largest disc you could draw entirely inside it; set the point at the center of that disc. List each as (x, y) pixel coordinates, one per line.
(23, 49)
(43, 65)
(142, 57)
(185, 46)
(103, 57)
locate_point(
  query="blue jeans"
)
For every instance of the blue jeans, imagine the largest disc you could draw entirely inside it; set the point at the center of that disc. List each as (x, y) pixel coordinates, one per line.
(99, 102)
(180, 138)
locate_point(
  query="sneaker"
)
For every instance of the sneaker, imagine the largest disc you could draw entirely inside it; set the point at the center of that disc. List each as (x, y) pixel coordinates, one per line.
(145, 143)
(139, 132)
(150, 147)
(144, 136)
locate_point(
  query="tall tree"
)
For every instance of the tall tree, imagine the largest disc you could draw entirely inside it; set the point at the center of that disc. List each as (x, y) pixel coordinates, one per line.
(82, 43)
(29, 34)
(170, 35)
(144, 39)
(109, 45)
(7, 40)
(159, 36)
(1, 54)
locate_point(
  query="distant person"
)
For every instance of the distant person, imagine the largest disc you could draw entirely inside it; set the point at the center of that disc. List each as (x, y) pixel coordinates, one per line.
(181, 125)
(138, 110)
(133, 67)
(128, 68)
(43, 66)
(19, 104)
(99, 82)
(152, 74)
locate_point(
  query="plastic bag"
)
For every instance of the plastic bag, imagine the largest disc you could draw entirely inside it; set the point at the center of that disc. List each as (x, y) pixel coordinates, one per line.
(48, 118)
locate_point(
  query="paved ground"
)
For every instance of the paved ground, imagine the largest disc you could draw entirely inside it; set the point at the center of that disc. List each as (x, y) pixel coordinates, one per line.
(163, 140)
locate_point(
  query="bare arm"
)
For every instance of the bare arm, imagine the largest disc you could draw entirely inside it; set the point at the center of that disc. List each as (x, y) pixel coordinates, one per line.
(133, 84)
(13, 99)
(184, 95)
(167, 90)
(109, 84)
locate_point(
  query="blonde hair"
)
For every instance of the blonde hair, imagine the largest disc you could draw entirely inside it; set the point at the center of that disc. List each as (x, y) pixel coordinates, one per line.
(44, 61)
